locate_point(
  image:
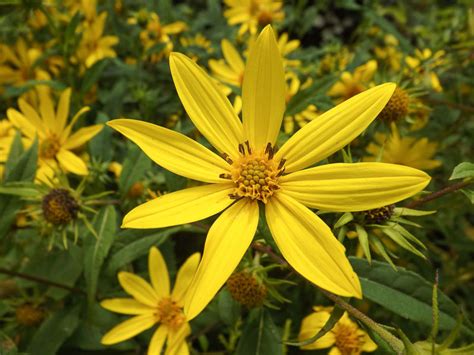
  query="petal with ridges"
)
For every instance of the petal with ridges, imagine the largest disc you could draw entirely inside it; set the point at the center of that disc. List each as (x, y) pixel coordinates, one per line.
(176, 339)
(180, 207)
(226, 243)
(185, 276)
(62, 112)
(158, 340)
(71, 162)
(309, 246)
(128, 329)
(334, 129)
(126, 306)
(206, 105)
(46, 108)
(158, 271)
(173, 151)
(263, 91)
(353, 187)
(138, 288)
(82, 136)
(232, 57)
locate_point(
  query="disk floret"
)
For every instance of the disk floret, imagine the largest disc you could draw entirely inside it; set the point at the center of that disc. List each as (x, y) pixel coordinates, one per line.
(255, 173)
(348, 340)
(379, 215)
(49, 147)
(59, 206)
(170, 313)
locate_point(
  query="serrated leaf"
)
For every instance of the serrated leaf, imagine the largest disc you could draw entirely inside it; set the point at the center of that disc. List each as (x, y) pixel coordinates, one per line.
(463, 170)
(96, 250)
(54, 332)
(405, 293)
(260, 336)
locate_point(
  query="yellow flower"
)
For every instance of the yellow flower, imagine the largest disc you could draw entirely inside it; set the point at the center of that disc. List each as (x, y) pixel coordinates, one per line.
(390, 52)
(229, 70)
(352, 84)
(154, 304)
(156, 33)
(251, 172)
(287, 46)
(408, 151)
(345, 338)
(94, 46)
(7, 134)
(423, 64)
(253, 14)
(54, 135)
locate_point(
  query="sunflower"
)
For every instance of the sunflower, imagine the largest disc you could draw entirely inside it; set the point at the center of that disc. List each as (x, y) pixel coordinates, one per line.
(56, 140)
(344, 338)
(408, 151)
(154, 304)
(250, 171)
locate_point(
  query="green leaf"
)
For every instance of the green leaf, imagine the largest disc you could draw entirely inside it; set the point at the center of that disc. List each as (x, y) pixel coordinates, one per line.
(92, 75)
(405, 293)
(364, 241)
(21, 191)
(140, 247)
(260, 336)
(344, 219)
(229, 309)
(96, 250)
(54, 332)
(16, 150)
(15, 91)
(469, 194)
(134, 167)
(99, 146)
(336, 314)
(463, 170)
(62, 266)
(23, 170)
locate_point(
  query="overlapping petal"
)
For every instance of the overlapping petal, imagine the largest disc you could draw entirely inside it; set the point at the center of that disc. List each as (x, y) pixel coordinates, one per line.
(353, 187)
(334, 129)
(126, 306)
(128, 329)
(309, 246)
(180, 207)
(206, 105)
(138, 288)
(158, 270)
(173, 151)
(82, 136)
(158, 340)
(263, 91)
(227, 240)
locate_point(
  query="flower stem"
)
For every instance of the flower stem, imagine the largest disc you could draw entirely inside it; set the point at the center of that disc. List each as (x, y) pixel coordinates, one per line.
(439, 193)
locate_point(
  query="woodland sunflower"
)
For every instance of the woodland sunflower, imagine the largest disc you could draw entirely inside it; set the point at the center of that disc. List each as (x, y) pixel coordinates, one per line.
(154, 304)
(55, 137)
(250, 171)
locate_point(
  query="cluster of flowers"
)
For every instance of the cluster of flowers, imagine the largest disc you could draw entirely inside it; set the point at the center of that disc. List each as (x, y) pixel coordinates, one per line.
(266, 119)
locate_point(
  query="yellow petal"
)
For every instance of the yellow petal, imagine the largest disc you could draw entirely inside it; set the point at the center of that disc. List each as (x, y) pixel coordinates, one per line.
(185, 276)
(159, 277)
(67, 131)
(206, 105)
(309, 246)
(158, 340)
(232, 56)
(128, 329)
(138, 288)
(180, 207)
(63, 110)
(334, 129)
(82, 136)
(71, 162)
(22, 123)
(263, 91)
(47, 109)
(227, 240)
(353, 187)
(311, 325)
(32, 116)
(173, 151)
(126, 306)
(176, 339)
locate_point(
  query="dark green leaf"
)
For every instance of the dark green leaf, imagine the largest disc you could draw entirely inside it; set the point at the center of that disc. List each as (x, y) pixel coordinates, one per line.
(92, 75)
(134, 167)
(229, 309)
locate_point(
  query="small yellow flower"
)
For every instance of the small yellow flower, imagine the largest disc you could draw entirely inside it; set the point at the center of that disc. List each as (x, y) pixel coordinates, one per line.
(408, 151)
(229, 70)
(7, 134)
(250, 172)
(253, 14)
(154, 304)
(94, 46)
(345, 338)
(55, 137)
(351, 84)
(390, 53)
(423, 64)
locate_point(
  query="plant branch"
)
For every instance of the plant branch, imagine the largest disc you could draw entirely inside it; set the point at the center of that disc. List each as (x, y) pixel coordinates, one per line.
(40, 280)
(439, 193)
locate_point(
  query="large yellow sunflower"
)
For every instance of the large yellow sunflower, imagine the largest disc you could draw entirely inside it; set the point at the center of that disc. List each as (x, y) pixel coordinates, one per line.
(55, 137)
(250, 171)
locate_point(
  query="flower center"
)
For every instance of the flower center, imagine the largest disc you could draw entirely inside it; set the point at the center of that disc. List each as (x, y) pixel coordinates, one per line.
(397, 107)
(59, 207)
(245, 289)
(255, 173)
(348, 340)
(49, 147)
(379, 215)
(170, 314)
